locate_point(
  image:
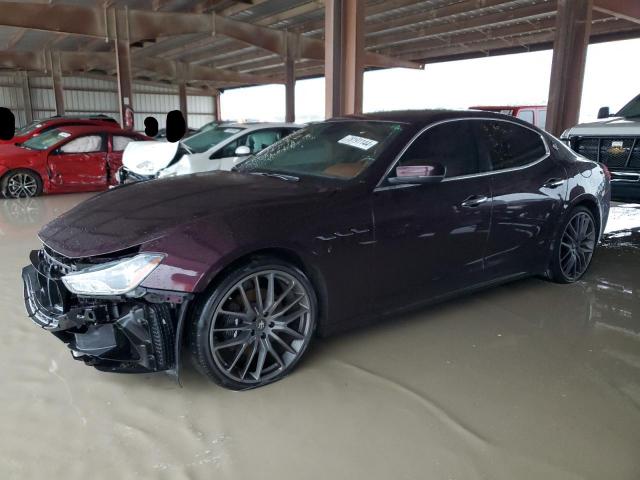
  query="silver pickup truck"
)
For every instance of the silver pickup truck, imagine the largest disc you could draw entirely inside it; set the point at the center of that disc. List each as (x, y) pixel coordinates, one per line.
(613, 140)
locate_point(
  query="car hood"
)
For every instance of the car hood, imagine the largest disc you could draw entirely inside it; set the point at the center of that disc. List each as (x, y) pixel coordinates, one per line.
(138, 213)
(10, 152)
(13, 141)
(607, 126)
(147, 158)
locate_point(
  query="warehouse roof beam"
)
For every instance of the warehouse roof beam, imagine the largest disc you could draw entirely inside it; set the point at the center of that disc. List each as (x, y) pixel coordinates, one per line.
(148, 25)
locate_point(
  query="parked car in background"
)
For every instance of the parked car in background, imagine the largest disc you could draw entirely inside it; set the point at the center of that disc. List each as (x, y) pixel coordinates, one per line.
(327, 229)
(219, 147)
(534, 114)
(39, 127)
(613, 140)
(65, 159)
(162, 133)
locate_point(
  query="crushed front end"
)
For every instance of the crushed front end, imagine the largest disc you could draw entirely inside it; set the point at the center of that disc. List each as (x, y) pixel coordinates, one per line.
(132, 332)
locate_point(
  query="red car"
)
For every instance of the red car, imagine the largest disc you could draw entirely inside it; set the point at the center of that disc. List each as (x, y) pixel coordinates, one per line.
(63, 160)
(534, 114)
(39, 127)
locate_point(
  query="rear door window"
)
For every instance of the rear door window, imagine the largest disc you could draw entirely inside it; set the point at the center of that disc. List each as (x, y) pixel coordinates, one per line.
(509, 145)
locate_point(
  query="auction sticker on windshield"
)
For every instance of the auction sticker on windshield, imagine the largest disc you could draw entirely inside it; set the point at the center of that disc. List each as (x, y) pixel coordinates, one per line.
(358, 142)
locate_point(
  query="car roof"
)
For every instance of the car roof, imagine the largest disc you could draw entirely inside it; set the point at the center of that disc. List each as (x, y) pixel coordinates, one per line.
(421, 118)
(78, 129)
(79, 118)
(257, 125)
(505, 107)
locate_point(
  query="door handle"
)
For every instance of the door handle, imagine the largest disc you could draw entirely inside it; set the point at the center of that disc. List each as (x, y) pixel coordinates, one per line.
(553, 183)
(474, 201)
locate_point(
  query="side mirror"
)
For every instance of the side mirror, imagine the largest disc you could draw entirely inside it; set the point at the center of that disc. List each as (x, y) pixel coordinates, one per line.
(419, 174)
(242, 151)
(604, 112)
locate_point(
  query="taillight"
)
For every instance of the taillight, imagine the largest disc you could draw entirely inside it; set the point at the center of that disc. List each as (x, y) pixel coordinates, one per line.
(607, 173)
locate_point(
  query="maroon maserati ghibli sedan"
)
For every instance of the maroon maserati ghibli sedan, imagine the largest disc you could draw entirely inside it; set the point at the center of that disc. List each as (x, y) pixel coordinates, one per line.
(342, 222)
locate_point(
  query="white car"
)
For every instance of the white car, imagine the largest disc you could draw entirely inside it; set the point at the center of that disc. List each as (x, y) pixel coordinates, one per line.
(218, 148)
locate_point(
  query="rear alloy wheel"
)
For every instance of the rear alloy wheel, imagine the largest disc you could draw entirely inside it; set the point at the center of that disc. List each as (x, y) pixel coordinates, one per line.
(256, 326)
(577, 243)
(21, 184)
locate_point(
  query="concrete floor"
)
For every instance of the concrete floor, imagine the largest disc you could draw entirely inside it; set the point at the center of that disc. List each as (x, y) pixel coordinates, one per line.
(528, 381)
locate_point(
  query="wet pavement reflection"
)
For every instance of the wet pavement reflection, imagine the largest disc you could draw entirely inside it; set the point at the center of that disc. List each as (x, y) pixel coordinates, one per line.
(530, 380)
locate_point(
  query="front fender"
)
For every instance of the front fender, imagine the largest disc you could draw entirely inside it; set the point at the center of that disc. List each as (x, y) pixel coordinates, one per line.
(197, 254)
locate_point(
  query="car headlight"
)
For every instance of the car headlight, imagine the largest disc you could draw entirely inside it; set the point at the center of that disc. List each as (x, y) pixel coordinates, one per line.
(146, 168)
(113, 278)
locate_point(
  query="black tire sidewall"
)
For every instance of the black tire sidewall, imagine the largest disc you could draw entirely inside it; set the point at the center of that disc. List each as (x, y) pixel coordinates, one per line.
(556, 270)
(5, 182)
(203, 316)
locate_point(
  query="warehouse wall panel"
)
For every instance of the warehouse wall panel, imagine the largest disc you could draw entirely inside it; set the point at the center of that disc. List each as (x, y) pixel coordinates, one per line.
(11, 97)
(91, 95)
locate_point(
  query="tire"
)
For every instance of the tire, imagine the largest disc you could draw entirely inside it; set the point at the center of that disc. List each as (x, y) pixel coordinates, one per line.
(239, 345)
(21, 183)
(574, 247)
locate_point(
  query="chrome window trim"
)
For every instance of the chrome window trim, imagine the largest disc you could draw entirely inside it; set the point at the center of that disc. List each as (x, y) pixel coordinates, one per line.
(381, 187)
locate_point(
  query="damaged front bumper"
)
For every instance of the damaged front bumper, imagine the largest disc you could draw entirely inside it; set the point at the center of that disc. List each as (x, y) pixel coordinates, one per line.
(112, 333)
(124, 176)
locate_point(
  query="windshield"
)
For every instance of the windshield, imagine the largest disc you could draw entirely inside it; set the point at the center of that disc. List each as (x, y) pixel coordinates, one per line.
(331, 149)
(46, 140)
(203, 141)
(207, 126)
(29, 128)
(631, 109)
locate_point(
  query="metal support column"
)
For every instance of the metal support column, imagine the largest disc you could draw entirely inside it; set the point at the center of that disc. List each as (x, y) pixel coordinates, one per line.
(182, 94)
(290, 89)
(123, 61)
(26, 98)
(217, 112)
(56, 80)
(344, 56)
(573, 28)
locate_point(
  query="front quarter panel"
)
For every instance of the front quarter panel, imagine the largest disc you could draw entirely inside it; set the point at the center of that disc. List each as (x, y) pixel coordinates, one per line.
(13, 159)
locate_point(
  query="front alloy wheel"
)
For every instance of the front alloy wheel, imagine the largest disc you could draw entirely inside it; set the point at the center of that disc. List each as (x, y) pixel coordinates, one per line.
(257, 325)
(21, 184)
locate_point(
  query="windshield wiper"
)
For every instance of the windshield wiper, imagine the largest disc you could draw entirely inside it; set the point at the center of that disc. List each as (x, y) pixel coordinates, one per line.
(281, 176)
